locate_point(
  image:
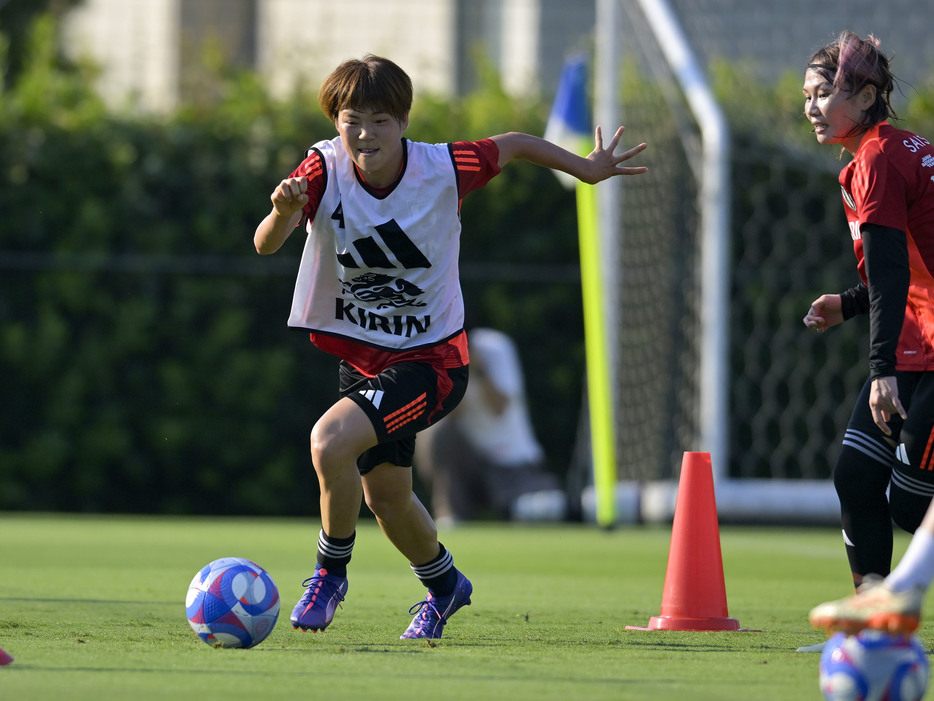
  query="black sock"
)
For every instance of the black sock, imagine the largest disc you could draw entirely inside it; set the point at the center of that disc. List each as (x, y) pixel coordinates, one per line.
(439, 574)
(334, 553)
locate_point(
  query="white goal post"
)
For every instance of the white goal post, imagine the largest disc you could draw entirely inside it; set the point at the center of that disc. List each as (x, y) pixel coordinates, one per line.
(647, 500)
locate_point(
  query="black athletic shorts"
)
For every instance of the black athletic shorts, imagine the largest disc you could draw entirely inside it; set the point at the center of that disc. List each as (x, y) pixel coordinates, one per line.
(912, 483)
(401, 401)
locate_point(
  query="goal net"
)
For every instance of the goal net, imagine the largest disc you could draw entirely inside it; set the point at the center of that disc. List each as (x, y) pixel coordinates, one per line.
(788, 393)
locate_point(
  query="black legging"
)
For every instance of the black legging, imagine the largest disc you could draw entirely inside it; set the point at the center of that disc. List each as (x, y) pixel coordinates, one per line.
(868, 466)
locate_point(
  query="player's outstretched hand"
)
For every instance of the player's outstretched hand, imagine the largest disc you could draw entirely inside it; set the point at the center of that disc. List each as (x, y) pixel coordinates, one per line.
(290, 196)
(605, 163)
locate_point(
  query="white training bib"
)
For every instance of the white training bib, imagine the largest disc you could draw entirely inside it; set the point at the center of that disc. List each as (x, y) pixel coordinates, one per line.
(382, 270)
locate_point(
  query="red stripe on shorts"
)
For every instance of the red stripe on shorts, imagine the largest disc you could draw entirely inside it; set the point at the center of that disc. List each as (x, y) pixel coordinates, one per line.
(926, 460)
(410, 411)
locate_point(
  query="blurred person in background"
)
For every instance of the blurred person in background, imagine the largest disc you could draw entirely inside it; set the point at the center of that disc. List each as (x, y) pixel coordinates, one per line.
(483, 459)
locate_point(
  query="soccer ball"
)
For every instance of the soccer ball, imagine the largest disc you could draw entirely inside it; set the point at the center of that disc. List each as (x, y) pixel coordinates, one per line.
(873, 666)
(232, 602)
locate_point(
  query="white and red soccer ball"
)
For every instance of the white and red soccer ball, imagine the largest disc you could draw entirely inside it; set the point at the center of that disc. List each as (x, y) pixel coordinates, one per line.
(873, 666)
(232, 602)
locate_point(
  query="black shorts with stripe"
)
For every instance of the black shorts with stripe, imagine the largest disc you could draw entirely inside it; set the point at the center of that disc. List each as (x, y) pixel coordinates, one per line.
(912, 460)
(401, 401)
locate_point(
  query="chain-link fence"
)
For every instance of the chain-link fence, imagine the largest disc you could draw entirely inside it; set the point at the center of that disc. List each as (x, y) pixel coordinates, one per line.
(790, 391)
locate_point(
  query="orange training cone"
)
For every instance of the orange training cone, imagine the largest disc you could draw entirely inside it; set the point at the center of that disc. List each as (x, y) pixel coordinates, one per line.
(695, 594)
(4, 658)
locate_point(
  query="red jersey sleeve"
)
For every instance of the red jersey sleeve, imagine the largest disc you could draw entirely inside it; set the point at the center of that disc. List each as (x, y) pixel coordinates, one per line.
(313, 169)
(476, 163)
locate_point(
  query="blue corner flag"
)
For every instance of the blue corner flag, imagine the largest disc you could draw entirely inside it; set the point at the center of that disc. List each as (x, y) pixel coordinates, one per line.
(569, 123)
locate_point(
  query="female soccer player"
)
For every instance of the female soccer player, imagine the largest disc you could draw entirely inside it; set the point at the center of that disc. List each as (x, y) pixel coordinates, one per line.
(378, 287)
(888, 197)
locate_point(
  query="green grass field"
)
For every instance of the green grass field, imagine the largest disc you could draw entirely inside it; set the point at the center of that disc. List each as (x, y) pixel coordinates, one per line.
(93, 608)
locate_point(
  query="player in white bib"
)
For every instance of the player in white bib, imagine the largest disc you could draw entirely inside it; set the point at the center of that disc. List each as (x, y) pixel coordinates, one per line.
(378, 287)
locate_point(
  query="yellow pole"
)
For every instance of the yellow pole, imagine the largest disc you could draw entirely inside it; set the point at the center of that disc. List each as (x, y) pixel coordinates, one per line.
(599, 391)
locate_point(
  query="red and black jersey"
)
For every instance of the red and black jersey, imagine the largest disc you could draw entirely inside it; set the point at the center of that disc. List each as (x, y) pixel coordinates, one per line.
(888, 189)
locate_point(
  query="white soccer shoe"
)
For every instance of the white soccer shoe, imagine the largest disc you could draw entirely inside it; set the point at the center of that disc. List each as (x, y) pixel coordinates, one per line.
(875, 606)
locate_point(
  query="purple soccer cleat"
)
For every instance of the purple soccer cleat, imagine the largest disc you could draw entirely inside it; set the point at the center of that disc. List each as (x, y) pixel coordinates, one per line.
(324, 593)
(433, 613)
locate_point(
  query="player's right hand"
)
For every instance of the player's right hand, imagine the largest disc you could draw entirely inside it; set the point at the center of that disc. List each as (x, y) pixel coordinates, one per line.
(825, 311)
(290, 196)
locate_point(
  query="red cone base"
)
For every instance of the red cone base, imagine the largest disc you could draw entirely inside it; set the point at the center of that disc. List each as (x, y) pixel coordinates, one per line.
(694, 597)
(5, 658)
(688, 623)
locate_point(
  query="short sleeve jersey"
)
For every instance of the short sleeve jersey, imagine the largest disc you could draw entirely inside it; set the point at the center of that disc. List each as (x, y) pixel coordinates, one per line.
(890, 183)
(378, 281)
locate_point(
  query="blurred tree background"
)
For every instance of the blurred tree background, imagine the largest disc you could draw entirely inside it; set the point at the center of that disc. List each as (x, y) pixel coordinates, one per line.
(146, 362)
(16, 20)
